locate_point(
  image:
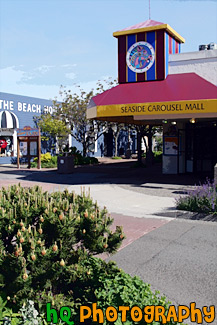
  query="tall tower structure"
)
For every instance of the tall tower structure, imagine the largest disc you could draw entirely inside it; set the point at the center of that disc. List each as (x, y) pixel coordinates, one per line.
(143, 51)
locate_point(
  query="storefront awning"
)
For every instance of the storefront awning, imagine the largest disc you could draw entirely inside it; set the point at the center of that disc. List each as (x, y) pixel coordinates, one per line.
(8, 120)
(179, 96)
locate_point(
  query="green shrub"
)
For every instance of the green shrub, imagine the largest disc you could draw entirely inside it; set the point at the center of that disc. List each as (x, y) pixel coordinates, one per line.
(106, 285)
(45, 157)
(45, 238)
(47, 161)
(7, 317)
(158, 143)
(27, 315)
(79, 159)
(117, 288)
(89, 161)
(46, 255)
(158, 156)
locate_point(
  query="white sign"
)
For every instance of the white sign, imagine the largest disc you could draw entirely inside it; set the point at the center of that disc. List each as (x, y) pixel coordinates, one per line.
(24, 107)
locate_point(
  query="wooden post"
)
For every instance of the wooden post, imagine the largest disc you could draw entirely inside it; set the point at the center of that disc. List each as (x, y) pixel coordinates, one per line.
(39, 149)
(28, 153)
(18, 153)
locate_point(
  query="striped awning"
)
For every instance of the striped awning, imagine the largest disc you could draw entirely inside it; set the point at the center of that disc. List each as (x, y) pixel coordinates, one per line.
(8, 120)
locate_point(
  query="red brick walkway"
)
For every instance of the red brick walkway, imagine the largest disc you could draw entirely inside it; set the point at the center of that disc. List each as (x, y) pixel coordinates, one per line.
(135, 228)
(46, 186)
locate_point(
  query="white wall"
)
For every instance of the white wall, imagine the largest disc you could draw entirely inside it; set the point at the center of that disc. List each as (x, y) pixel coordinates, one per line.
(204, 63)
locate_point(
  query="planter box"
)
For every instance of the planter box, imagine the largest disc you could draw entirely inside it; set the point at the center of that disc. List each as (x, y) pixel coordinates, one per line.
(65, 164)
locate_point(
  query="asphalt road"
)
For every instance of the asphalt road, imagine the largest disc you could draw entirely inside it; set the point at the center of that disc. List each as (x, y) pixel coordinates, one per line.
(179, 259)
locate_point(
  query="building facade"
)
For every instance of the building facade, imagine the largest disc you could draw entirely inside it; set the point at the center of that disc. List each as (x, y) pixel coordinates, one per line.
(198, 140)
(17, 112)
(158, 85)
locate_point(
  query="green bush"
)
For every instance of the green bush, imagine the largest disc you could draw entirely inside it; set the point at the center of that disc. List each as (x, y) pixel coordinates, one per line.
(106, 285)
(6, 314)
(158, 143)
(27, 315)
(47, 161)
(45, 157)
(47, 245)
(89, 161)
(158, 156)
(45, 238)
(79, 159)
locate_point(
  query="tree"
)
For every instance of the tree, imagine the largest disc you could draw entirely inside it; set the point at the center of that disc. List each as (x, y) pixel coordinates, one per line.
(117, 128)
(69, 117)
(56, 128)
(72, 112)
(148, 131)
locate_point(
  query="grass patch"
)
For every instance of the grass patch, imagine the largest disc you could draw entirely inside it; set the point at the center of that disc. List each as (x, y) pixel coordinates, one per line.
(116, 157)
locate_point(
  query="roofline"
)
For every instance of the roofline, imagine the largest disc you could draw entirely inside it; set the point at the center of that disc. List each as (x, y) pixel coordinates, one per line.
(167, 27)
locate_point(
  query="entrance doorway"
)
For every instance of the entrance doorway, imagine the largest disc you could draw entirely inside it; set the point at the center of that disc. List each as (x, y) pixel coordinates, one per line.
(201, 147)
(108, 144)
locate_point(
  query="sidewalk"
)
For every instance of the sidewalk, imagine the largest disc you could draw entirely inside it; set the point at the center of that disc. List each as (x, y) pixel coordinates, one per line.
(179, 259)
(139, 199)
(131, 195)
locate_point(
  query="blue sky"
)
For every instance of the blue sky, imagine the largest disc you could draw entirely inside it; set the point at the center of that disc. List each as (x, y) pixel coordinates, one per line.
(48, 43)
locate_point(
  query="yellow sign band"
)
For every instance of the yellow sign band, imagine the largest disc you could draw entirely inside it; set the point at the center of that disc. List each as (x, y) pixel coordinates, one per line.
(159, 108)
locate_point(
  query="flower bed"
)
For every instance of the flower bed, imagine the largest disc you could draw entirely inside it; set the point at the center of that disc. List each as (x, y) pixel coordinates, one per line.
(202, 199)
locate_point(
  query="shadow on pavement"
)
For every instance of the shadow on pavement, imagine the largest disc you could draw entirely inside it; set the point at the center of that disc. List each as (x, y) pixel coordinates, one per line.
(105, 173)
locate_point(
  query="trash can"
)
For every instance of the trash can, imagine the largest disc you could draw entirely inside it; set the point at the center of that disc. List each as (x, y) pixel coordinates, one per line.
(65, 164)
(128, 154)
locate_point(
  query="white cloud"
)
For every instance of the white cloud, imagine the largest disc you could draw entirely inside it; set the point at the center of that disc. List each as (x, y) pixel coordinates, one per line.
(40, 75)
(70, 75)
(69, 65)
(10, 75)
(44, 68)
(49, 74)
(12, 80)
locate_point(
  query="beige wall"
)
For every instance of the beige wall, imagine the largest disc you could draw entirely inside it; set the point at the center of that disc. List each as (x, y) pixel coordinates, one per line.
(204, 63)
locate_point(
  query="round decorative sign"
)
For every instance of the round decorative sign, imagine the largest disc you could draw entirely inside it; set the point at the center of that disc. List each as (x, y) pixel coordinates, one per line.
(140, 57)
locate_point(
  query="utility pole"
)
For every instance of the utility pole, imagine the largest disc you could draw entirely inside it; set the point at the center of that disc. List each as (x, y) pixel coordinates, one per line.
(149, 9)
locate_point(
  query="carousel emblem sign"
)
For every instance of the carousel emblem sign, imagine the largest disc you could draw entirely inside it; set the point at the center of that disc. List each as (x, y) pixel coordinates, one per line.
(140, 57)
